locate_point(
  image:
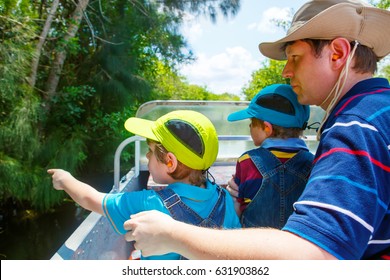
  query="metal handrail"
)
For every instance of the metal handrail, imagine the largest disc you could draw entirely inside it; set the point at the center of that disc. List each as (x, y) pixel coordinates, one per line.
(117, 156)
(137, 153)
(234, 137)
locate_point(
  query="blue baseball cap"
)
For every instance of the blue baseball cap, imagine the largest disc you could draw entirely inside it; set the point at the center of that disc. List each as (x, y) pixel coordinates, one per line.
(276, 104)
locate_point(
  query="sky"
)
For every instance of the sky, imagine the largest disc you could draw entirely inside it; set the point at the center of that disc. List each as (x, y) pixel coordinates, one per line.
(227, 51)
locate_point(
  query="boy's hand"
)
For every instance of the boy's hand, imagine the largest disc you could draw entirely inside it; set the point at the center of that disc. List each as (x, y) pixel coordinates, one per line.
(59, 176)
(232, 187)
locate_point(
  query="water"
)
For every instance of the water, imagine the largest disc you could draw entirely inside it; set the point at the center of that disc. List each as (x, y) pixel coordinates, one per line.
(26, 235)
(30, 236)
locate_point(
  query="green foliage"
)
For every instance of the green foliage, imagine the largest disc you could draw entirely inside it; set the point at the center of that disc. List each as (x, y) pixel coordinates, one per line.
(205, 7)
(270, 73)
(14, 181)
(224, 96)
(19, 137)
(15, 58)
(68, 107)
(26, 185)
(14, 8)
(168, 84)
(63, 149)
(384, 71)
(124, 54)
(383, 4)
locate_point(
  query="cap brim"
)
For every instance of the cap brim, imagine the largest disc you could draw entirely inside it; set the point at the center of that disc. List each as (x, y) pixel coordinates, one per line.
(372, 30)
(141, 127)
(239, 115)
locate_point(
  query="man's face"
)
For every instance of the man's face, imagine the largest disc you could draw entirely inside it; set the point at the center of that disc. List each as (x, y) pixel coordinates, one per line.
(311, 77)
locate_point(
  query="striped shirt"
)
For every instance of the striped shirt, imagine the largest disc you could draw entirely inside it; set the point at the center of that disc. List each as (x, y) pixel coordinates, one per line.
(345, 206)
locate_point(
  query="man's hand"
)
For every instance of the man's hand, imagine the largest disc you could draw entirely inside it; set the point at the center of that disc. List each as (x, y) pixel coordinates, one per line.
(150, 230)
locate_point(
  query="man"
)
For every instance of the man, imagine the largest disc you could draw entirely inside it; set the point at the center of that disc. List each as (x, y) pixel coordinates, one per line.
(332, 49)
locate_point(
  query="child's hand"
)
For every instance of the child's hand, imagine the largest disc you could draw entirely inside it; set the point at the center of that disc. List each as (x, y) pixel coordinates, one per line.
(59, 176)
(232, 187)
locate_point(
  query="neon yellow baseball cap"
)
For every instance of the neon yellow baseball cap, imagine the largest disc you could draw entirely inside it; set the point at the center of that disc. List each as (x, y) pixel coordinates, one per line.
(189, 135)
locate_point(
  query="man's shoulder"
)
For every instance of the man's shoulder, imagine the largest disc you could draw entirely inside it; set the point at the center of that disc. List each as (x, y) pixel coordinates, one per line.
(366, 105)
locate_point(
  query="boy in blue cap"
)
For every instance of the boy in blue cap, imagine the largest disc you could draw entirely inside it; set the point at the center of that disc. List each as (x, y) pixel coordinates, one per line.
(269, 179)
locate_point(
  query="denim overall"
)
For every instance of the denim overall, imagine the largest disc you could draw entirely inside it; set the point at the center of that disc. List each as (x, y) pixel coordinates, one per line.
(281, 186)
(181, 212)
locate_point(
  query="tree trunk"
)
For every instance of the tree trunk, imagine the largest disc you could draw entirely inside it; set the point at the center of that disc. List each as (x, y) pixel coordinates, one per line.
(56, 68)
(42, 39)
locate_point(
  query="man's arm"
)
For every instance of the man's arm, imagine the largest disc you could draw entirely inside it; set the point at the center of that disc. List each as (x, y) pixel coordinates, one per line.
(156, 233)
(83, 194)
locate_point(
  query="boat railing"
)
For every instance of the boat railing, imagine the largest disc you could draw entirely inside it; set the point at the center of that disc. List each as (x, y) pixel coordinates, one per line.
(137, 155)
(117, 157)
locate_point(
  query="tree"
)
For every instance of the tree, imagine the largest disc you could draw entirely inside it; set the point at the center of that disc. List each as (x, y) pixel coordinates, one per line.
(60, 56)
(171, 86)
(72, 72)
(383, 4)
(19, 140)
(41, 41)
(270, 73)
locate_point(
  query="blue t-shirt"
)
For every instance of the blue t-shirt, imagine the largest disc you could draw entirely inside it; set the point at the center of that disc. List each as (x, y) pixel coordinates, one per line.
(344, 208)
(118, 207)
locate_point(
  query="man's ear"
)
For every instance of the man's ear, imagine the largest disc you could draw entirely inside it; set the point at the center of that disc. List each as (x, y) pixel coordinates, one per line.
(171, 162)
(339, 51)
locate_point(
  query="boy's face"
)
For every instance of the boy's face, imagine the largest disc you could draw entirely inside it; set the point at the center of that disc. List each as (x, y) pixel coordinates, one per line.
(258, 134)
(158, 170)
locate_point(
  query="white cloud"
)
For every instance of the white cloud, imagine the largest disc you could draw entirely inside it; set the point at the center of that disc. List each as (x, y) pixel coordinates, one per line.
(191, 29)
(227, 52)
(192, 32)
(267, 21)
(228, 71)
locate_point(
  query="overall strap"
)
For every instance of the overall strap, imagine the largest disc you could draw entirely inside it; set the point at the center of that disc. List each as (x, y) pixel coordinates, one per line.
(182, 212)
(264, 160)
(281, 185)
(302, 156)
(217, 215)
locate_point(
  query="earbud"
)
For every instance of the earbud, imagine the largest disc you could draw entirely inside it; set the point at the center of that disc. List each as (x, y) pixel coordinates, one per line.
(335, 57)
(169, 163)
(267, 127)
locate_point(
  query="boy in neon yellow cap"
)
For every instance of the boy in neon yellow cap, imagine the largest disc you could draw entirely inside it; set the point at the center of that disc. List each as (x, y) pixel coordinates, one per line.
(183, 145)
